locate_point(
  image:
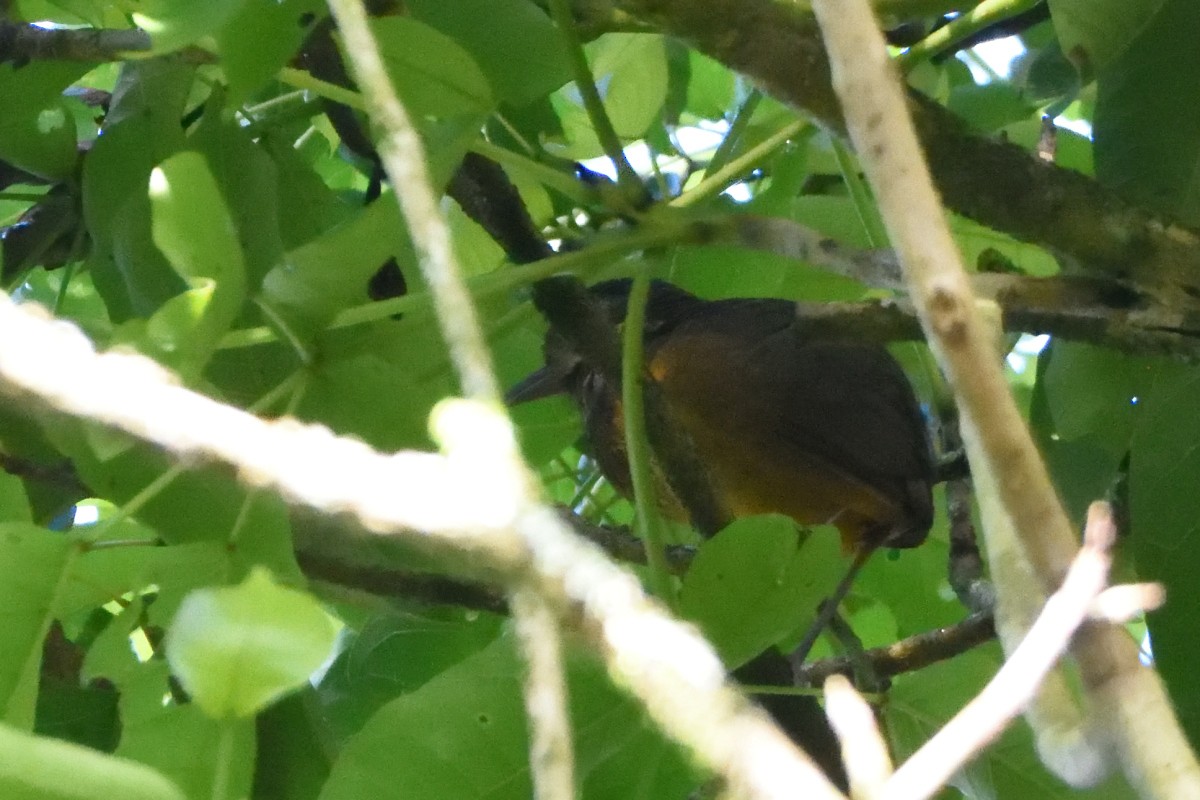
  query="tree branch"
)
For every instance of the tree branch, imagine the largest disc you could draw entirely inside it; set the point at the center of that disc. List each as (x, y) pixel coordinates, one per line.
(778, 46)
(21, 43)
(907, 655)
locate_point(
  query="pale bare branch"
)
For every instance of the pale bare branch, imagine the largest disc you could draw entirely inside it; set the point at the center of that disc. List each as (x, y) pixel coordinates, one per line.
(551, 758)
(996, 437)
(864, 752)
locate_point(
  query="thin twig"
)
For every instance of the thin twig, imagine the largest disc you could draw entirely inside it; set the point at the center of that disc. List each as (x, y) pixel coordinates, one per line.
(907, 655)
(1014, 686)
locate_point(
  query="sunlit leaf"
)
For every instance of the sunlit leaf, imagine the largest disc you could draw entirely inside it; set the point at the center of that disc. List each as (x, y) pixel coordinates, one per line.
(238, 648)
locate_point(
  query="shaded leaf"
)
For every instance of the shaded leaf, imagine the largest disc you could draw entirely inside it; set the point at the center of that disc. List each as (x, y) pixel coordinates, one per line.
(39, 768)
(755, 582)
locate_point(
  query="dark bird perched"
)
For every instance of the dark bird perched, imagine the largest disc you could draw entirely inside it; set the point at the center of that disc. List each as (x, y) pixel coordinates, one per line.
(824, 431)
(780, 420)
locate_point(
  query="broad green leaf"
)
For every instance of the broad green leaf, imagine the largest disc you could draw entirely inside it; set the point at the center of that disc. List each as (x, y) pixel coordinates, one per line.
(14, 503)
(718, 271)
(83, 714)
(1147, 123)
(912, 585)
(433, 74)
(754, 583)
(205, 504)
(173, 24)
(1094, 34)
(33, 564)
(246, 177)
(1164, 473)
(307, 206)
(366, 397)
(200, 754)
(394, 654)
(37, 132)
(141, 129)
(39, 768)
(292, 761)
(710, 89)
(237, 648)
(1085, 408)
(991, 106)
(192, 227)
(630, 70)
(974, 239)
(330, 273)
(259, 38)
(515, 44)
(415, 746)
(1043, 75)
(1091, 390)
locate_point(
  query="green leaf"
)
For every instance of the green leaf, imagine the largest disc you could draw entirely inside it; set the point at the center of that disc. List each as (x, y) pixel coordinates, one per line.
(173, 24)
(754, 582)
(141, 129)
(415, 746)
(1147, 123)
(471, 713)
(259, 39)
(1094, 33)
(433, 74)
(630, 70)
(33, 564)
(37, 131)
(394, 654)
(193, 228)
(1164, 472)
(711, 87)
(330, 273)
(236, 649)
(247, 179)
(201, 755)
(38, 768)
(513, 42)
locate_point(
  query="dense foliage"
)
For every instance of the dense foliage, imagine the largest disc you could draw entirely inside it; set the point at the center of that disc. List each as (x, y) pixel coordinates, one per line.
(214, 202)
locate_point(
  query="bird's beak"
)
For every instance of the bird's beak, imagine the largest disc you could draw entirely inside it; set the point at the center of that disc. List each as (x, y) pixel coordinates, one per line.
(546, 382)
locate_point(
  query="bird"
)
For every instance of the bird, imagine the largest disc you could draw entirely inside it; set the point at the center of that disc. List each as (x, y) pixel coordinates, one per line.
(824, 430)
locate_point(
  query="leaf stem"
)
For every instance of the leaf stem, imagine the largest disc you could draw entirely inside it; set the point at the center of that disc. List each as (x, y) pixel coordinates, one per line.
(636, 444)
(962, 27)
(860, 195)
(627, 178)
(717, 182)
